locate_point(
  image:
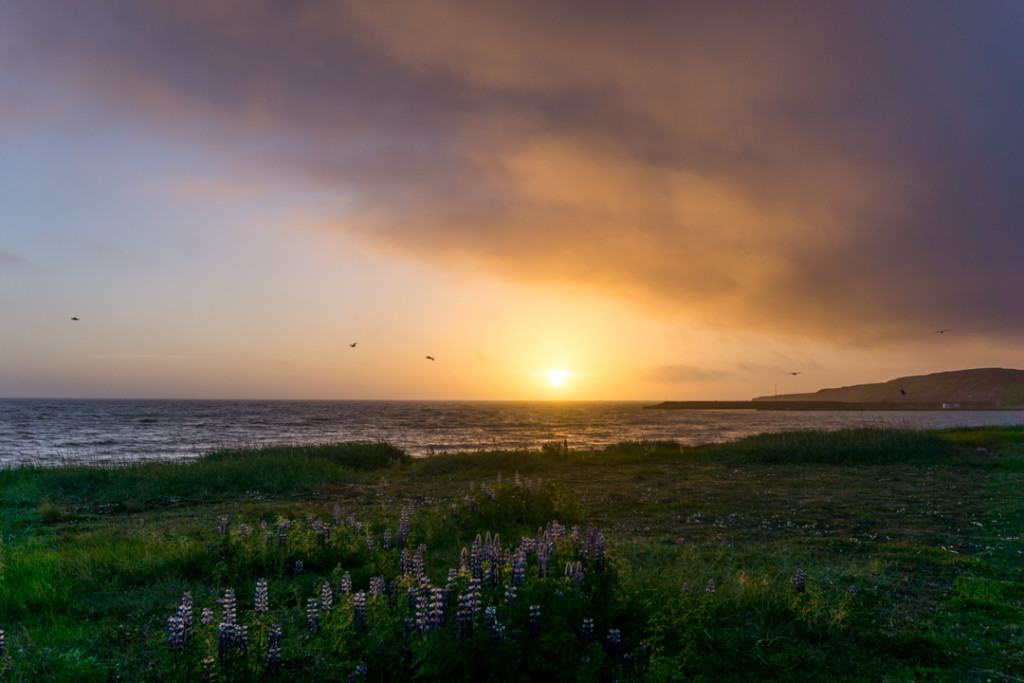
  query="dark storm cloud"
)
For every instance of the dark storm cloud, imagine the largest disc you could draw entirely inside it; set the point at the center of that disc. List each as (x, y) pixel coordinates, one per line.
(846, 171)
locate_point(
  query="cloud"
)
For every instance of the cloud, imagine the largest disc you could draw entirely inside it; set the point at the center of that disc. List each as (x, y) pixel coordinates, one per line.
(842, 173)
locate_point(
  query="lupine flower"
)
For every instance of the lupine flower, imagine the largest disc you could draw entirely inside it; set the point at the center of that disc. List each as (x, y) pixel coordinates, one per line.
(326, 597)
(185, 612)
(852, 590)
(369, 542)
(405, 563)
(587, 632)
(298, 567)
(337, 514)
(534, 620)
(417, 562)
(312, 616)
(360, 672)
(359, 610)
(614, 642)
(206, 616)
(798, 581)
(262, 603)
(323, 534)
(270, 538)
(387, 539)
(274, 639)
(378, 586)
(175, 633)
(403, 528)
(244, 528)
(222, 529)
(346, 583)
(511, 593)
(229, 605)
(710, 590)
(231, 637)
(263, 524)
(282, 538)
(519, 568)
(1, 644)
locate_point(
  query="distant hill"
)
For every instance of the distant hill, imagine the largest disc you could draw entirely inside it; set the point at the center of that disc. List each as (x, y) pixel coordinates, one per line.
(983, 387)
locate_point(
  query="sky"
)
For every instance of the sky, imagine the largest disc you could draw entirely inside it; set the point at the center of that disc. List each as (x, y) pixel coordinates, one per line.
(583, 200)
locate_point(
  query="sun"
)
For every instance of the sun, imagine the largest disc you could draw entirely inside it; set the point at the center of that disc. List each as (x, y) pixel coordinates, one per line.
(557, 377)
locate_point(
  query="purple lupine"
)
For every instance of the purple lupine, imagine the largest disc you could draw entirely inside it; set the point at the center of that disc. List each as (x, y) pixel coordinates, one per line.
(230, 605)
(387, 539)
(346, 583)
(244, 528)
(359, 610)
(206, 617)
(185, 612)
(323, 534)
(614, 642)
(436, 607)
(710, 590)
(326, 597)
(270, 538)
(312, 616)
(476, 559)
(299, 567)
(231, 637)
(222, 528)
(417, 562)
(262, 602)
(378, 586)
(511, 593)
(403, 528)
(274, 639)
(369, 542)
(359, 672)
(544, 550)
(497, 628)
(337, 514)
(519, 568)
(405, 563)
(1, 644)
(535, 620)
(175, 633)
(587, 631)
(798, 581)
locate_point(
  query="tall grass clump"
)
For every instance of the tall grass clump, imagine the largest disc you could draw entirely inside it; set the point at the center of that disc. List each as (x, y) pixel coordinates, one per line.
(862, 445)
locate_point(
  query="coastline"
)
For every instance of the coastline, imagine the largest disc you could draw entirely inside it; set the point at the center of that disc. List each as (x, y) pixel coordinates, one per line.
(769, 404)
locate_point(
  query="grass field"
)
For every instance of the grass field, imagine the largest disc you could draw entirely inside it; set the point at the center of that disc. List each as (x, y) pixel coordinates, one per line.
(857, 555)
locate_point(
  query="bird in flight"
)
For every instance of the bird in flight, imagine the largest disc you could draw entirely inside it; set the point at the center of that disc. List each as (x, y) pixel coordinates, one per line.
(430, 358)
(902, 392)
(74, 318)
(795, 373)
(353, 344)
(942, 331)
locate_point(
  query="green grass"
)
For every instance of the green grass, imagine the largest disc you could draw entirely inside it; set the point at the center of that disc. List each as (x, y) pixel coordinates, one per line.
(910, 543)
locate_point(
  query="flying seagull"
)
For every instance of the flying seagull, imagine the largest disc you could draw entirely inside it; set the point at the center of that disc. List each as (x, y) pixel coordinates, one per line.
(353, 344)
(430, 358)
(74, 318)
(795, 373)
(942, 331)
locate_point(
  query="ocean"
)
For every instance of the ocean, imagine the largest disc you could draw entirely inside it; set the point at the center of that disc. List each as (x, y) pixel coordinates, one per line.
(82, 431)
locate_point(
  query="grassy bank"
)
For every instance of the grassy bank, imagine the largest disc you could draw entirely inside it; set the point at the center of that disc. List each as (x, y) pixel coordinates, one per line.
(869, 554)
